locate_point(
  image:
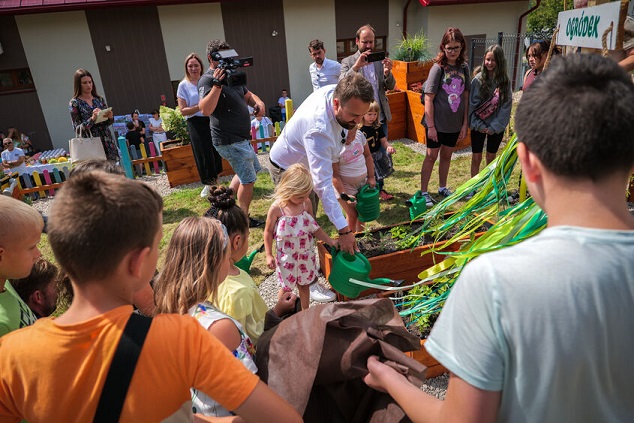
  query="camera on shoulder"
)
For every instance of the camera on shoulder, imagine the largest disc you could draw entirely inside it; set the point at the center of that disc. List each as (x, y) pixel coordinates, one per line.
(230, 62)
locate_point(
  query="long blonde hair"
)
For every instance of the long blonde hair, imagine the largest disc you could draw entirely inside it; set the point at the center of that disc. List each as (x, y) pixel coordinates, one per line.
(296, 181)
(194, 255)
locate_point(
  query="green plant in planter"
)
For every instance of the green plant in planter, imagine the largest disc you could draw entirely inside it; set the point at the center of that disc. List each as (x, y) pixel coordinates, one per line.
(412, 48)
(174, 122)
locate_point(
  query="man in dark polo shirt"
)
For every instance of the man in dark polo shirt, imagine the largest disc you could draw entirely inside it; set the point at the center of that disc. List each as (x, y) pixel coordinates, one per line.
(227, 108)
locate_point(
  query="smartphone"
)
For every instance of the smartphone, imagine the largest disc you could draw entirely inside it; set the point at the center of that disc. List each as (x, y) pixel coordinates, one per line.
(375, 56)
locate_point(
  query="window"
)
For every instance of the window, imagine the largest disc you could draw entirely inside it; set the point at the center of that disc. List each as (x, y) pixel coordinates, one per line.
(16, 80)
(347, 47)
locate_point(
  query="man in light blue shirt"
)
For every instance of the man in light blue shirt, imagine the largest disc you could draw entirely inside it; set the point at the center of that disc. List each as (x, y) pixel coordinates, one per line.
(323, 71)
(542, 331)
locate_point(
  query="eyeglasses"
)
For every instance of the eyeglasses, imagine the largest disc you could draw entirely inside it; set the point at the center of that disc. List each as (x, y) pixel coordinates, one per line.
(343, 137)
(452, 49)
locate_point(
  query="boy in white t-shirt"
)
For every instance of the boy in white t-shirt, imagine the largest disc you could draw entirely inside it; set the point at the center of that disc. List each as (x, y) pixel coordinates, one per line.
(514, 330)
(282, 103)
(13, 158)
(354, 169)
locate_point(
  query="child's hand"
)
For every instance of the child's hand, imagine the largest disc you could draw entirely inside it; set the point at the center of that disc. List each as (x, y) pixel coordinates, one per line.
(372, 181)
(390, 149)
(333, 243)
(270, 262)
(285, 304)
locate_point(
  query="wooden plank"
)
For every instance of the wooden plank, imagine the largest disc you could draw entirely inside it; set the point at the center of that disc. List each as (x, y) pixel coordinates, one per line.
(39, 181)
(415, 129)
(126, 160)
(144, 155)
(47, 179)
(154, 154)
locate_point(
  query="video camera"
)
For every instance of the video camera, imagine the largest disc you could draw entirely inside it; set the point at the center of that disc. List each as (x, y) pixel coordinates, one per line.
(230, 62)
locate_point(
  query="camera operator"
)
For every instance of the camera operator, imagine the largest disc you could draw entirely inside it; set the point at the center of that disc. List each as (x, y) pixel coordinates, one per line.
(378, 73)
(227, 108)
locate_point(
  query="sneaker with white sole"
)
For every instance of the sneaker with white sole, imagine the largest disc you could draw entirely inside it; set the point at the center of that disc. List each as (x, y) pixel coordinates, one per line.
(321, 294)
(445, 192)
(429, 202)
(205, 192)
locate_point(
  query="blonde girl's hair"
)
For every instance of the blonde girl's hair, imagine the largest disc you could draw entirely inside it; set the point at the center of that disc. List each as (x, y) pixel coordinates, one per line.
(374, 107)
(296, 181)
(192, 262)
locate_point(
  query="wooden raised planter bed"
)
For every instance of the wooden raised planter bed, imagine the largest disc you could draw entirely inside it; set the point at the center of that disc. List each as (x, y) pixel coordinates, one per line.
(405, 264)
(406, 73)
(180, 165)
(397, 127)
(434, 368)
(415, 129)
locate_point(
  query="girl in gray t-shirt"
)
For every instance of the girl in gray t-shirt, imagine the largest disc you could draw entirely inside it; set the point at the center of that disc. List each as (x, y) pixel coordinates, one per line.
(446, 106)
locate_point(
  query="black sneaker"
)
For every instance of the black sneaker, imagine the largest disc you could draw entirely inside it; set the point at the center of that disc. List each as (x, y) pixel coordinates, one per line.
(254, 223)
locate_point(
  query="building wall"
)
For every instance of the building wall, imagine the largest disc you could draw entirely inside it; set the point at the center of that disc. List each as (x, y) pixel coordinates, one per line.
(304, 21)
(56, 45)
(487, 18)
(14, 105)
(186, 29)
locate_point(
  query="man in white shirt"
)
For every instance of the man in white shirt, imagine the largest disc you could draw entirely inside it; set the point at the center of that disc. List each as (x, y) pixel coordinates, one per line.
(323, 71)
(13, 158)
(315, 136)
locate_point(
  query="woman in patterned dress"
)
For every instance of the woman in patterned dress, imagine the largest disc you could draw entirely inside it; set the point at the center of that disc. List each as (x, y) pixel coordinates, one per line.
(84, 108)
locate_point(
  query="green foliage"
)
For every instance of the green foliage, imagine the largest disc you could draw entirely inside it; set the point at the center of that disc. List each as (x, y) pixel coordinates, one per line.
(399, 232)
(412, 48)
(174, 122)
(542, 22)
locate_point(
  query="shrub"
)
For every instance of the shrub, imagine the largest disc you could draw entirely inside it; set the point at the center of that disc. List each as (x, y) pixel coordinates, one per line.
(413, 48)
(174, 122)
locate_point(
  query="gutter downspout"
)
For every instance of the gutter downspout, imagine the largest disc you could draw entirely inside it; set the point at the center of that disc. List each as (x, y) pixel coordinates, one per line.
(517, 47)
(405, 18)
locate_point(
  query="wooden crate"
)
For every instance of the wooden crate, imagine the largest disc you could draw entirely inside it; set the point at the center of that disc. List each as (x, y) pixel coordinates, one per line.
(465, 142)
(397, 127)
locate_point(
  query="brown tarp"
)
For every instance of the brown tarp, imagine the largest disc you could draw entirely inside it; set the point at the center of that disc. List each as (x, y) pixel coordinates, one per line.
(316, 360)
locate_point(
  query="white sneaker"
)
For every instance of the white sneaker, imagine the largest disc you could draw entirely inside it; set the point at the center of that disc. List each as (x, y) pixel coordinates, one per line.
(429, 202)
(321, 294)
(205, 192)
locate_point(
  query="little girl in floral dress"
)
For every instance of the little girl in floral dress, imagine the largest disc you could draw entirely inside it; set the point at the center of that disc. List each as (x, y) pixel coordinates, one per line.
(291, 223)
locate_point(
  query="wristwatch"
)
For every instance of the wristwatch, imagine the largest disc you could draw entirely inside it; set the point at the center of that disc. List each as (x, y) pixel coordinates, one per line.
(216, 82)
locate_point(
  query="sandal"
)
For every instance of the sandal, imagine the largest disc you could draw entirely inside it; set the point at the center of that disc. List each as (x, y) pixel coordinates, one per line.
(385, 196)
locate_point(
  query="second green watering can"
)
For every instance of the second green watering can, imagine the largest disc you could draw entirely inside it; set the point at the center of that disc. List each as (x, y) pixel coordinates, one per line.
(245, 262)
(368, 206)
(346, 267)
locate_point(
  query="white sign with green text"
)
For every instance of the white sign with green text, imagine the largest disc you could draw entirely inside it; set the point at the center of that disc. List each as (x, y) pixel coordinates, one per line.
(585, 27)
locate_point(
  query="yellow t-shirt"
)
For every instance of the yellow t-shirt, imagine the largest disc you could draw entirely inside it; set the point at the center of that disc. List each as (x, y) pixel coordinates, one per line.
(55, 373)
(238, 297)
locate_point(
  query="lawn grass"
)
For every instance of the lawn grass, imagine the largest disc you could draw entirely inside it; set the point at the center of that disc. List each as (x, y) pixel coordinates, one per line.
(402, 184)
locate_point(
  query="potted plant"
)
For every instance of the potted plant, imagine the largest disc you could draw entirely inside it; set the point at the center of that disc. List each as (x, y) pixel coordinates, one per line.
(178, 156)
(412, 60)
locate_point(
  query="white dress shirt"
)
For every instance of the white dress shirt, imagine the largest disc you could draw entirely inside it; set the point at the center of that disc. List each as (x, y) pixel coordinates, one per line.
(313, 138)
(326, 75)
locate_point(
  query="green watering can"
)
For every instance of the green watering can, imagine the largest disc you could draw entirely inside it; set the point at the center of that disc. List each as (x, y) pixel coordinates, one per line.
(245, 262)
(368, 206)
(346, 267)
(417, 205)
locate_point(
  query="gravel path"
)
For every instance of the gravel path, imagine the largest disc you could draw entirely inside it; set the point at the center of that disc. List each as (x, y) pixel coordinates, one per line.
(269, 288)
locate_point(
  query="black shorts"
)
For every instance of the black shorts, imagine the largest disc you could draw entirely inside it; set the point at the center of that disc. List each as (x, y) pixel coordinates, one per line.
(449, 139)
(493, 142)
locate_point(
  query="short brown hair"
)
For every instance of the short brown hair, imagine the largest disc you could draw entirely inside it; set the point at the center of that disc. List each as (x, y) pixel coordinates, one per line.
(42, 274)
(97, 218)
(354, 86)
(315, 45)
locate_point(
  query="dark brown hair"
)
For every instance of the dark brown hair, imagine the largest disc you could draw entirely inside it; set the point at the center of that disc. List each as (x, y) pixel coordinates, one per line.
(79, 74)
(224, 208)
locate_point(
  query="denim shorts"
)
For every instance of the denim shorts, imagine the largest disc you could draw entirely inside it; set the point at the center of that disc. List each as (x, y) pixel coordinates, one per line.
(242, 159)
